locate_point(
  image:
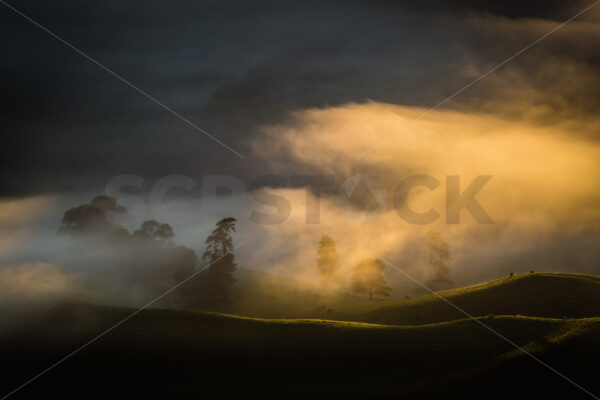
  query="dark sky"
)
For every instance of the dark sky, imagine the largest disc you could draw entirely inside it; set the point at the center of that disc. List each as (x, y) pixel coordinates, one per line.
(233, 66)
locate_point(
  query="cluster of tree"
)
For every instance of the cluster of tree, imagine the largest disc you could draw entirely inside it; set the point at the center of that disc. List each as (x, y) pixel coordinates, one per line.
(149, 258)
(367, 275)
(92, 218)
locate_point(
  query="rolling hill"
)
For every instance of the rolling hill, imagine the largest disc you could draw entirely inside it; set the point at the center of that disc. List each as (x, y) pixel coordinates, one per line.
(207, 354)
(550, 295)
(210, 355)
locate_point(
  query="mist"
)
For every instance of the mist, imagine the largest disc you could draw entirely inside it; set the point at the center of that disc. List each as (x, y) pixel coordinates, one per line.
(344, 98)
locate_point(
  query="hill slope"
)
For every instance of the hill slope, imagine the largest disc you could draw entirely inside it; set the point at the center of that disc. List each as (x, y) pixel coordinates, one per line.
(552, 295)
(161, 352)
(537, 294)
(268, 295)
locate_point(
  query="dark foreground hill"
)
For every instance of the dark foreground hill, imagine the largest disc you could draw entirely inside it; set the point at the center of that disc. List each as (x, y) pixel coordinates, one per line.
(177, 354)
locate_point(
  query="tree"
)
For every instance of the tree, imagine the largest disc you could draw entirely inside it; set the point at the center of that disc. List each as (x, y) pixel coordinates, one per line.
(439, 258)
(153, 229)
(328, 257)
(148, 260)
(368, 278)
(107, 204)
(92, 218)
(219, 255)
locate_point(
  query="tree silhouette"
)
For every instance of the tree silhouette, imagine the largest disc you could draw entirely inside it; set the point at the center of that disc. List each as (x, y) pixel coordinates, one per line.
(148, 260)
(368, 278)
(153, 229)
(439, 257)
(328, 257)
(219, 254)
(92, 218)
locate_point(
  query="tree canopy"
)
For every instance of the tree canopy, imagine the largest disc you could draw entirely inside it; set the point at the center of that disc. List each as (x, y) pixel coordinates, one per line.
(220, 257)
(328, 257)
(153, 229)
(368, 278)
(439, 258)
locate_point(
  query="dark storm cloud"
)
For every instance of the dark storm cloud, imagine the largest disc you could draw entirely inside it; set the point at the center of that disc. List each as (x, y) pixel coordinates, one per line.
(554, 9)
(234, 66)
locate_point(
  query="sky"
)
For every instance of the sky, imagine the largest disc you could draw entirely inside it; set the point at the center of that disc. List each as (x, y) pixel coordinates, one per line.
(328, 89)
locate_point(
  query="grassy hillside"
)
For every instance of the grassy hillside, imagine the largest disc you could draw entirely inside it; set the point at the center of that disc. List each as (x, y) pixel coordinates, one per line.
(536, 294)
(208, 354)
(551, 295)
(262, 294)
